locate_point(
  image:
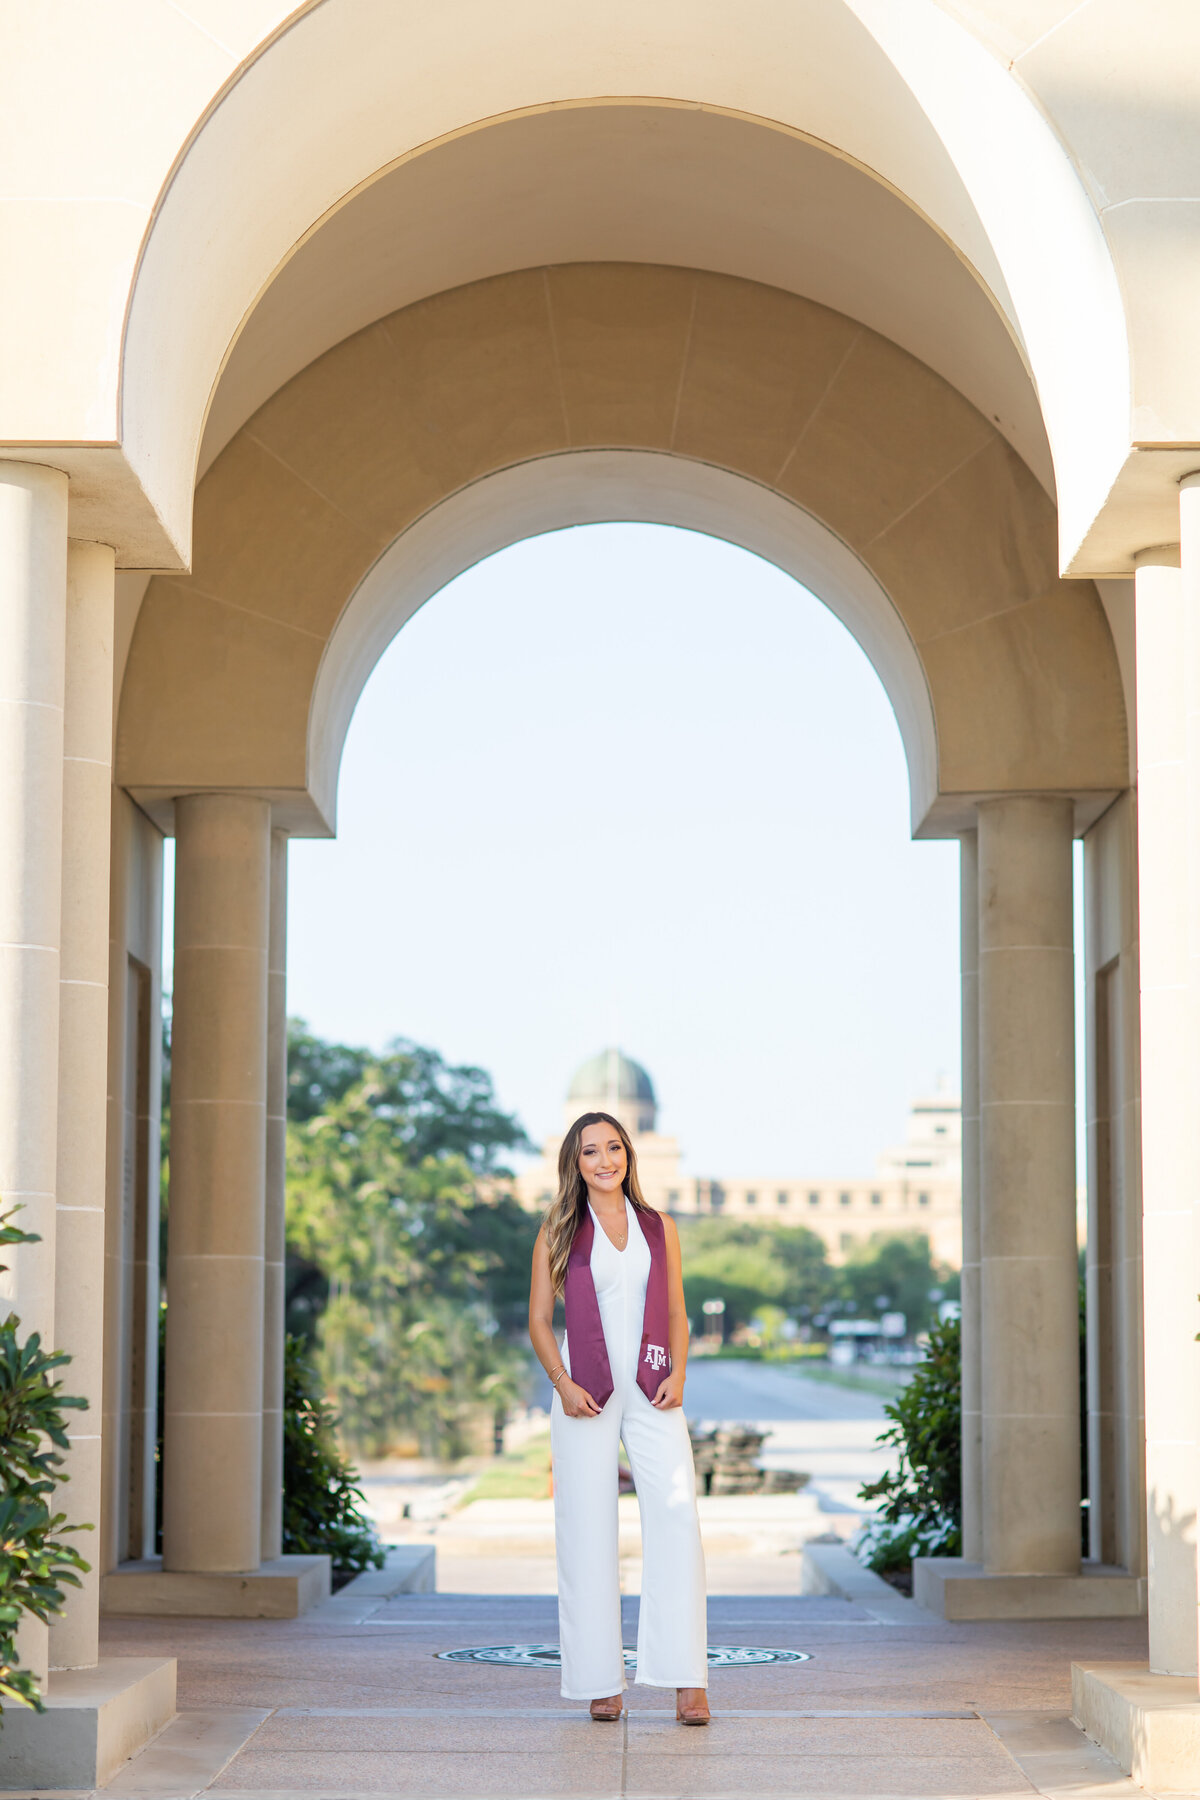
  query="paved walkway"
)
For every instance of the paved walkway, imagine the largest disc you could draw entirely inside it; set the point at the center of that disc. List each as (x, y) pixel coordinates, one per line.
(352, 1701)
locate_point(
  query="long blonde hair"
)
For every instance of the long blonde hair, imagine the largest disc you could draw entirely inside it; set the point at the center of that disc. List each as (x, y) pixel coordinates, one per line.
(570, 1203)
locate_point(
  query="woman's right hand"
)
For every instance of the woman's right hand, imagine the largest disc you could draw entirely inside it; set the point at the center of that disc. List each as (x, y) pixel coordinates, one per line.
(577, 1403)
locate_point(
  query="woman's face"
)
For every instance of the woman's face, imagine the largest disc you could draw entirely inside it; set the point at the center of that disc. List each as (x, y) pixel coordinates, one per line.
(602, 1159)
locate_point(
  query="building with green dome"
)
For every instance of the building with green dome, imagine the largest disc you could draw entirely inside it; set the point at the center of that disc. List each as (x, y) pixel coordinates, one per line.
(613, 1082)
(917, 1185)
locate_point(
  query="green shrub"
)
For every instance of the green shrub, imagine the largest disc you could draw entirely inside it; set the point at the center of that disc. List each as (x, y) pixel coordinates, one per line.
(321, 1502)
(921, 1513)
(35, 1563)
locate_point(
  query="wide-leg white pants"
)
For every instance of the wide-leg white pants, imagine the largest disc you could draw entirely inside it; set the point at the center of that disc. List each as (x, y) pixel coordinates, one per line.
(672, 1644)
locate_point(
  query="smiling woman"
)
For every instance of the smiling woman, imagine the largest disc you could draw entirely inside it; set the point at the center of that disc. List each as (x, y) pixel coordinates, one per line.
(619, 1380)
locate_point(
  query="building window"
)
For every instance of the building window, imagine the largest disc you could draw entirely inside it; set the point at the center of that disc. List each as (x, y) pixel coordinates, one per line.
(876, 1199)
(672, 1199)
(922, 1199)
(814, 1199)
(847, 1240)
(843, 1199)
(751, 1197)
(782, 1199)
(716, 1201)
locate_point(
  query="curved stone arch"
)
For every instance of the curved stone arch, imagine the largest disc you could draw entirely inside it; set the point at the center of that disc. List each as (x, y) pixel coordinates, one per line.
(591, 487)
(233, 669)
(930, 113)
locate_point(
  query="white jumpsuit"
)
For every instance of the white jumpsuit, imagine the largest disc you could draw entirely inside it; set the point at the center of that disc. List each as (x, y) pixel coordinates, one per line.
(672, 1618)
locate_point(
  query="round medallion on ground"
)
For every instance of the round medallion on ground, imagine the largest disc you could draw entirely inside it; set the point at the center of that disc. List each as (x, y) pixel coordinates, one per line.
(546, 1656)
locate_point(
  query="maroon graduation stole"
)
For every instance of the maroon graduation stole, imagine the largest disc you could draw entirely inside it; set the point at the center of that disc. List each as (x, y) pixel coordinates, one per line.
(585, 1334)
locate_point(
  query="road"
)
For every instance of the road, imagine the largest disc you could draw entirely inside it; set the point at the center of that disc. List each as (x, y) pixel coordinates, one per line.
(755, 1390)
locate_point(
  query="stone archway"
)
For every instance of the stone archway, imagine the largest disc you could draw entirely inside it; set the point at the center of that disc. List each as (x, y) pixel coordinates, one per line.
(461, 422)
(1021, 680)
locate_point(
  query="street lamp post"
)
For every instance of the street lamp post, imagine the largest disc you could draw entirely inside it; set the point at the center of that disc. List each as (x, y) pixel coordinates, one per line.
(714, 1318)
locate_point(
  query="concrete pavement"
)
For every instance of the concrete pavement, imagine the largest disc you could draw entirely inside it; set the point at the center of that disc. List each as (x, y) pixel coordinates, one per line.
(891, 1703)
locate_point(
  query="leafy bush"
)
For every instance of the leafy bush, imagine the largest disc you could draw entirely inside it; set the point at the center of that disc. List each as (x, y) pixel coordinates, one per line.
(35, 1563)
(321, 1502)
(922, 1498)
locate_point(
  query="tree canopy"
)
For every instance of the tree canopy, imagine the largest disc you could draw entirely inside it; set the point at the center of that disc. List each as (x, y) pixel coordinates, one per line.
(753, 1266)
(750, 1265)
(408, 1281)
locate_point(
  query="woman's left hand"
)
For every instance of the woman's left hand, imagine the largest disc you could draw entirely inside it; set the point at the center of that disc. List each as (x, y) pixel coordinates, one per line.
(670, 1392)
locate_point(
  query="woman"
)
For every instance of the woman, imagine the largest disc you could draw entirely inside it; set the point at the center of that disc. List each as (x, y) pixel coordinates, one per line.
(619, 1379)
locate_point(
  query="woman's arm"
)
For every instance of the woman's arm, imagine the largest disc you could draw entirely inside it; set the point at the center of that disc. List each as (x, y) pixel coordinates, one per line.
(670, 1390)
(576, 1401)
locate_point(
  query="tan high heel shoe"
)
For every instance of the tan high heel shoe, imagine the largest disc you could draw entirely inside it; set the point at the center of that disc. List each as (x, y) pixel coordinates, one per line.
(606, 1711)
(695, 1712)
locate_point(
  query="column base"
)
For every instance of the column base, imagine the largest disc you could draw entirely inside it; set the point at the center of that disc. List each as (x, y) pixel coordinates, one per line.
(955, 1589)
(281, 1589)
(1149, 1724)
(95, 1720)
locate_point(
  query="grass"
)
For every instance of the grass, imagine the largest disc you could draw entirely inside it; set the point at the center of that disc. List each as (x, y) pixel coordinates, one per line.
(523, 1474)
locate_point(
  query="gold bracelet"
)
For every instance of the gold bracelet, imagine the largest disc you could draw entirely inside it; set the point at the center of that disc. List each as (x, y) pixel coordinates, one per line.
(555, 1379)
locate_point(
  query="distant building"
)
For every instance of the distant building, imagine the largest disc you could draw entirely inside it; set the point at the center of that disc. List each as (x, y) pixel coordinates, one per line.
(917, 1185)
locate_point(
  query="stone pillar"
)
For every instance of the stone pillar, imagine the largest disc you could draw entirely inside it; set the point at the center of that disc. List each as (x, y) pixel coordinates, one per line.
(83, 1064)
(1028, 1255)
(131, 1281)
(1170, 1153)
(1116, 1409)
(276, 1189)
(972, 1324)
(33, 584)
(214, 1352)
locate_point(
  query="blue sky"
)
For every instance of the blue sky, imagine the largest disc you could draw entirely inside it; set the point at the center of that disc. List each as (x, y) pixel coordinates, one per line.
(627, 780)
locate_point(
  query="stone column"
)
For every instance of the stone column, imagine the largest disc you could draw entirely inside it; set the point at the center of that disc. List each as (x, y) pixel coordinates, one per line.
(972, 1323)
(1116, 1408)
(273, 1240)
(33, 583)
(1170, 1153)
(83, 1064)
(214, 1352)
(1029, 1280)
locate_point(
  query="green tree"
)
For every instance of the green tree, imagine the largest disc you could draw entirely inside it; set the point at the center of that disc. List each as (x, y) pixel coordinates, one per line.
(750, 1266)
(896, 1267)
(410, 1278)
(434, 1109)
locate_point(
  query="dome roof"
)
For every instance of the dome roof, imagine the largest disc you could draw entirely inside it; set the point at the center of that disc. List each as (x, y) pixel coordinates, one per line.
(611, 1073)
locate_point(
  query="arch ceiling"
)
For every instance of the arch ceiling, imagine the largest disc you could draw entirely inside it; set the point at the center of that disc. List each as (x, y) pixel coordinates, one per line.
(380, 470)
(651, 183)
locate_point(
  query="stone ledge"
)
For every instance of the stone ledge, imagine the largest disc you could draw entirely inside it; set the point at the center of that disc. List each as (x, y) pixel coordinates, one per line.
(281, 1589)
(954, 1589)
(833, 1569)
(1149, 1724)
(95, 1720)
(409, 1569)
